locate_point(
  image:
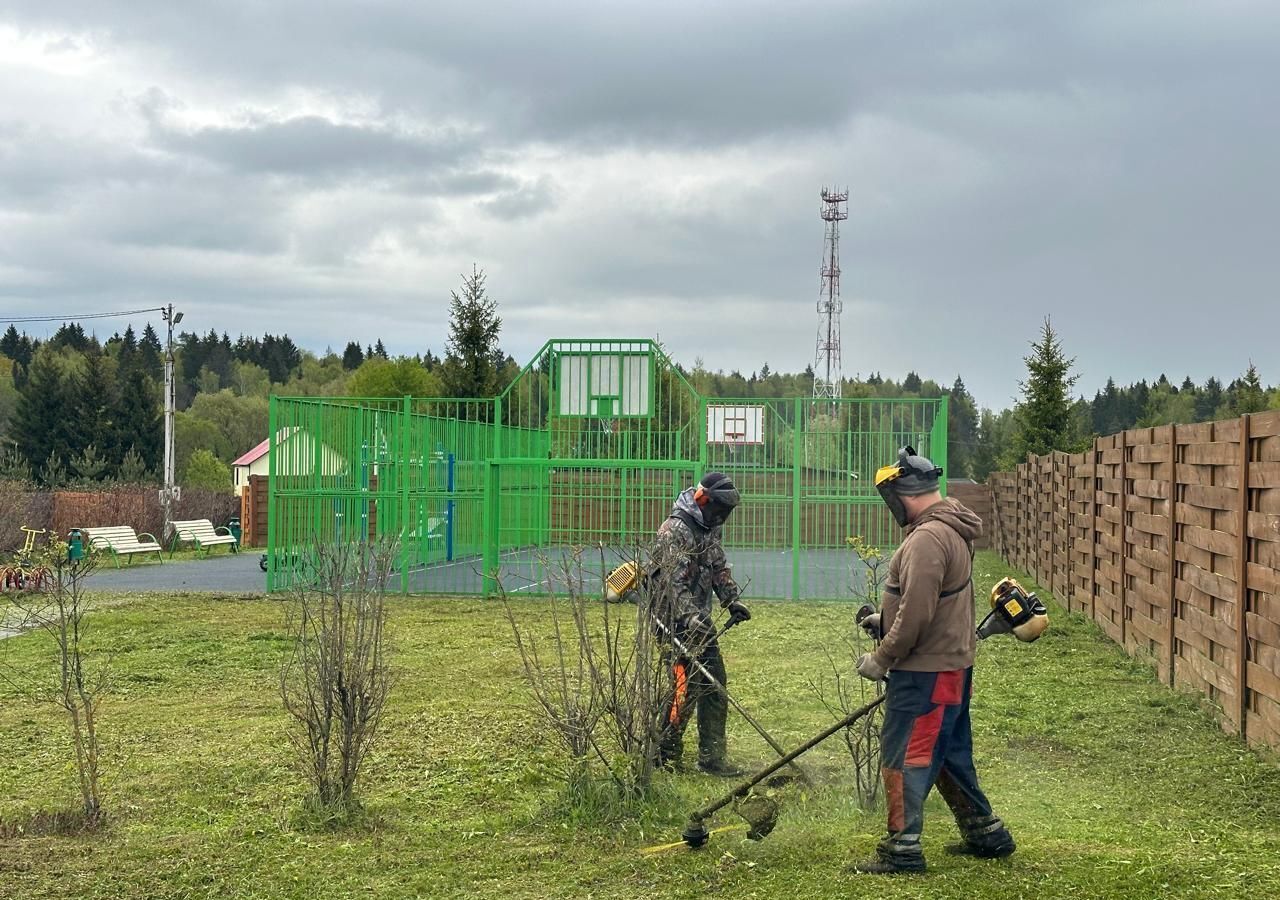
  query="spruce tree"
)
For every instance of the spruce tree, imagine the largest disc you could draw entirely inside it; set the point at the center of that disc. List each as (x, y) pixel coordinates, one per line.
(1043, 417)
(1208, 400)
(352, 357)
(962, 430)
(10, 343)
(132, 469)
(473, 360)
(151, 353)
(1250, 395)
(138, 420)
(41, 423)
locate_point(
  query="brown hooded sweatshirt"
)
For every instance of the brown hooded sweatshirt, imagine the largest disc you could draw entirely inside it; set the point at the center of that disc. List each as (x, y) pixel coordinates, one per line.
(923, 630)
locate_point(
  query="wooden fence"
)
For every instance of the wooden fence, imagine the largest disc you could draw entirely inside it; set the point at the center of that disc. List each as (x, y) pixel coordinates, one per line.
(1169, 539)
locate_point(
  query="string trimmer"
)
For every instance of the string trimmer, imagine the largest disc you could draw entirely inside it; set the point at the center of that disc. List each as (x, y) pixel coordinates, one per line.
(724, 692)
(761, 813)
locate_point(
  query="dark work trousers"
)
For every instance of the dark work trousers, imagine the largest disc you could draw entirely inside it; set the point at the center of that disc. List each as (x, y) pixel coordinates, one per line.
(926, 740)
(692, 691)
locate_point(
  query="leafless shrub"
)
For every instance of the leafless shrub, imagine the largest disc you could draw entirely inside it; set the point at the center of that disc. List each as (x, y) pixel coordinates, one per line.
(336, 681)
(74, 679)
(599, 679)
(845, 690)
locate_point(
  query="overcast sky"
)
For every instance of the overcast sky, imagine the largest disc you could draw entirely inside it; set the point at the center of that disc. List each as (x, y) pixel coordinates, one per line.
(653, 169)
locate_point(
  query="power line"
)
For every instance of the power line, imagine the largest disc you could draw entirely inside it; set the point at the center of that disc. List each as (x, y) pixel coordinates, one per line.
(101, 315)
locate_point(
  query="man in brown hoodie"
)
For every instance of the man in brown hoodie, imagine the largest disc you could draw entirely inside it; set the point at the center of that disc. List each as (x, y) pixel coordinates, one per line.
(927, 631)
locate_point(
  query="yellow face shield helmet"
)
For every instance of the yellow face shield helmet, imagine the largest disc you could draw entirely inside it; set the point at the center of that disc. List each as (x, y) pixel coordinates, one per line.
(910, 476)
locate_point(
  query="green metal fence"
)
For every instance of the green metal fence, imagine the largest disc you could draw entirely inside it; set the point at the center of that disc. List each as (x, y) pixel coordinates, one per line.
(585, 453)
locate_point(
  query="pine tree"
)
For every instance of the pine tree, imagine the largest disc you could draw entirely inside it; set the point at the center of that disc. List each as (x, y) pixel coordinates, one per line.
(91, 397)
(352, 357)
(128, 349)
(88, 465)
(41, 423)
(151, 353)
(911, 384)
(1106, 409)
(962, 430)
(138, 420)
(13, 466)
(132, 469)
(53, 474)
(473, 360)
(10, 343)
(380, 350)
(1208, 401)
(1043, 418)
(1250, 395)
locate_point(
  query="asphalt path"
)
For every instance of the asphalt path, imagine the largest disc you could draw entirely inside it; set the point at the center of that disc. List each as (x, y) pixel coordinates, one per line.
(221, 573)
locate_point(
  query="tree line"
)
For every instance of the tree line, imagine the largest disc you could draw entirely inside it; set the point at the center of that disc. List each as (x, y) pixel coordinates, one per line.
(73, 409)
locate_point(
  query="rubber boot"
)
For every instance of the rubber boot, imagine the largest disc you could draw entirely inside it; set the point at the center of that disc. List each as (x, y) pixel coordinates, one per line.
(720, 768)
(893, 858)
(984, 838)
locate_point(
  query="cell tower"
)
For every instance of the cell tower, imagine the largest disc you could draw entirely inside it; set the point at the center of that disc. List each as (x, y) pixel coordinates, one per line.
(826, 360)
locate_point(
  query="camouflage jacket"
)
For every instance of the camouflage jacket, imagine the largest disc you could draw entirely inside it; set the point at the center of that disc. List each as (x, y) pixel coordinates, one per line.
(691, 563)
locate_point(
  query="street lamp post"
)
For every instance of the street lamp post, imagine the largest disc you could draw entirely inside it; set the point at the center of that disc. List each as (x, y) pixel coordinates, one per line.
(170, 492)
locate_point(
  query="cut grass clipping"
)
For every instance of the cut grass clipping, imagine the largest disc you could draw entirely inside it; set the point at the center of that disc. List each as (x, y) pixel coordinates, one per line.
(1113, 785)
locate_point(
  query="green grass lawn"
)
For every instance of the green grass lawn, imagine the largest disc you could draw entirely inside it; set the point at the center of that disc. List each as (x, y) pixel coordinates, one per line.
(1112, 785)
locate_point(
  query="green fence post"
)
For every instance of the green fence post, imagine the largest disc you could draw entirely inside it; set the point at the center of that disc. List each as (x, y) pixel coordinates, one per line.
(797, 448)
(402, 471)
(497, 428)
(491, 486)
(272, 525)
(703, 436)
(938, 440)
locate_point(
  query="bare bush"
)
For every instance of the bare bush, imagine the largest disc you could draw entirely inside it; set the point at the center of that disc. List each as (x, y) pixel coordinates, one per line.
(74, 680)
(845, 690)
(599, 679)
(336, 681)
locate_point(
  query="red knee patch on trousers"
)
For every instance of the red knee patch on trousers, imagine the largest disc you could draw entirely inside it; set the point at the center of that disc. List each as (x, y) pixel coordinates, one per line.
(924, 737)
(949, 688)
(893, 799)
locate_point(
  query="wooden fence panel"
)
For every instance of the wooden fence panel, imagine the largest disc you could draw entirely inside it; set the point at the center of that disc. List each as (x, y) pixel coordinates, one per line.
(1205, 590)
(1147, 573)
(1108, 601)
(1079, 531)
(1262, 570)
(1168, 538)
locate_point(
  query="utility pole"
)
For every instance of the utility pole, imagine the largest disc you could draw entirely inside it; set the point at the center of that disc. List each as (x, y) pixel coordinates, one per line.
(826, 361)
(170, 492)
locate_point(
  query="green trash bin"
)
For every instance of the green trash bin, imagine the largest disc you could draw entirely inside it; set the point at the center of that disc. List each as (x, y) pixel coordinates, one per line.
(233, 525)
(75, 545)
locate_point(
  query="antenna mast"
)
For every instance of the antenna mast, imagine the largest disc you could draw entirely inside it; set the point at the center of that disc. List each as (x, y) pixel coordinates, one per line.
(826, 364)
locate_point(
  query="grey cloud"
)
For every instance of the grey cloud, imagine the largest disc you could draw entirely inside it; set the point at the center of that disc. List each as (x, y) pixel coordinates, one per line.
(311, 144)
(523, 201)
(1109, 163)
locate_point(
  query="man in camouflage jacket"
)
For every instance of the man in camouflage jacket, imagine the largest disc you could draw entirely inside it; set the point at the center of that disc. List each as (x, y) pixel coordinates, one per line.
(691, 567)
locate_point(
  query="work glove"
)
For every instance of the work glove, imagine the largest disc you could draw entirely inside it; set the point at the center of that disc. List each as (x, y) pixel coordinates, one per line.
(871, 625)
(869, 669)
(738, 612)
(699, 628)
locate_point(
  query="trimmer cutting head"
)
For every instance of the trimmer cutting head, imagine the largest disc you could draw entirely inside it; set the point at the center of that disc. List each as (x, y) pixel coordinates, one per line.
(695, 834)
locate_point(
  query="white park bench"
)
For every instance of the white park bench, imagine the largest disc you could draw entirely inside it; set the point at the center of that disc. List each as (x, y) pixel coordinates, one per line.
(121, 540)
(201, 533)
